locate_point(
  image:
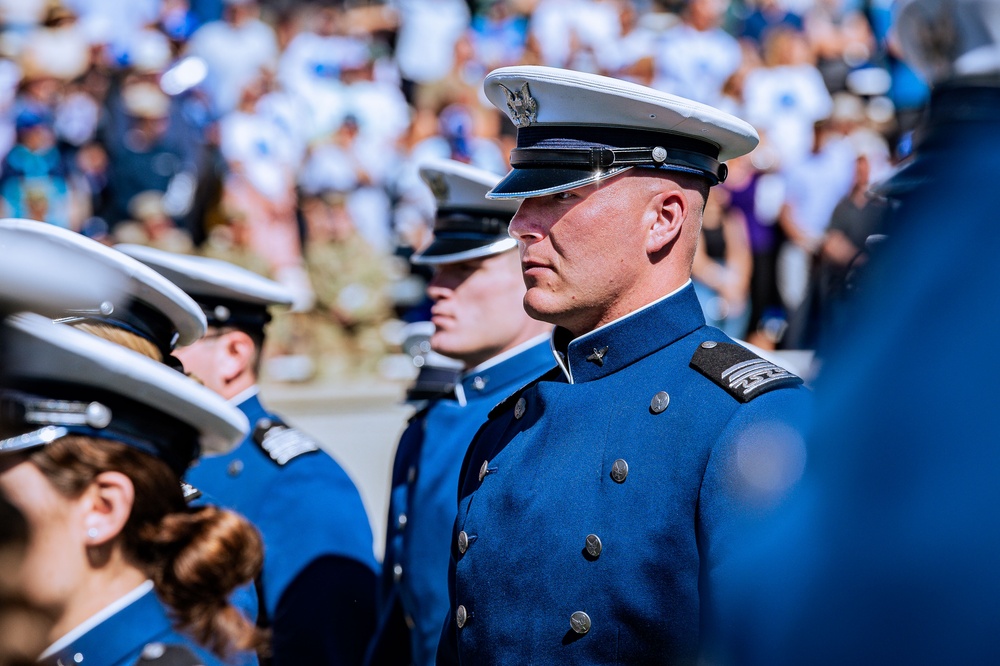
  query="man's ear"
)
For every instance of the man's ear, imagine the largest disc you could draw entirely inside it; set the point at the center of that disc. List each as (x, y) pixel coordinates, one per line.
(107, 505)
(238, 354)
(666, 215)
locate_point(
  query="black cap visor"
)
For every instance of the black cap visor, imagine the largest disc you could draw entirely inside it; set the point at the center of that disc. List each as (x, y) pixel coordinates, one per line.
(452, 248)
(537, 182)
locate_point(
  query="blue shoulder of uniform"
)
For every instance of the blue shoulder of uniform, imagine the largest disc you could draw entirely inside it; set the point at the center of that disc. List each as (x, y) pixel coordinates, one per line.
(509, 401)
(740, 372)
(282, 442)
(161, 654)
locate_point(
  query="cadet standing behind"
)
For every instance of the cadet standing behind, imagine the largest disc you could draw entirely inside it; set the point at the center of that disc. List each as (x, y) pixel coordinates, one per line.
(479, 320)
(887, 552)
(319, 579)
(597, 503)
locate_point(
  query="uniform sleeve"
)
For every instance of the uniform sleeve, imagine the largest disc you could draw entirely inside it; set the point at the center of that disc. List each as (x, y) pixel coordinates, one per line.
(326, 615)
(758, 458)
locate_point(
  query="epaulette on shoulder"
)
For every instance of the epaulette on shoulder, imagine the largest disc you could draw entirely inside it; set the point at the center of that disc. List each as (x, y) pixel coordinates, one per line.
(739, 371)
(162, 654)
(510, 400)
(282, 442)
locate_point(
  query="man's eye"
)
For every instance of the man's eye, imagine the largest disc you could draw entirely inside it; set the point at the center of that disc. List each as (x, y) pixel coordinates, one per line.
(563, 196)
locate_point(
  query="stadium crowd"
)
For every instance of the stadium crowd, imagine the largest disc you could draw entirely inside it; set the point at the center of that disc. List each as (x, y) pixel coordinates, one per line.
(286, 137)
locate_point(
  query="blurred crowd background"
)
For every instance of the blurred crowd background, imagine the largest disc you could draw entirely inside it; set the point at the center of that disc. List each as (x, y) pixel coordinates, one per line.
(285, 137)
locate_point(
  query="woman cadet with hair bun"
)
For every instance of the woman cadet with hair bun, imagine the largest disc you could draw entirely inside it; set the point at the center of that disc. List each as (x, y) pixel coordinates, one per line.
(93, 441)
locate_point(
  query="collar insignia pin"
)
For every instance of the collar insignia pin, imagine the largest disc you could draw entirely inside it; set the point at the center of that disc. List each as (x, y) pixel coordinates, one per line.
(598, 356)
(522, 105)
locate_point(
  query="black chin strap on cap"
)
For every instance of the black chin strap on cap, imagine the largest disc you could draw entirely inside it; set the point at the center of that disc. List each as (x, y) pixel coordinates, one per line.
(602, 159)
(600, 149)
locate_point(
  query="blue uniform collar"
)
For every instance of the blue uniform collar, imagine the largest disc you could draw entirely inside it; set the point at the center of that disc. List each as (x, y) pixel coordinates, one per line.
(252, 408)
(123, 634)
(498, 378)
(629, 339)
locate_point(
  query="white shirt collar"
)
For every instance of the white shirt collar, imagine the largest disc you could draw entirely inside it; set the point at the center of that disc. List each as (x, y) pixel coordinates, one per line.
(97, 618)
(244, 395)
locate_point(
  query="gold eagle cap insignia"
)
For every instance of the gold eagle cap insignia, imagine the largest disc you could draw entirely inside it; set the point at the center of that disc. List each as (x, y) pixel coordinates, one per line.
(523, 107)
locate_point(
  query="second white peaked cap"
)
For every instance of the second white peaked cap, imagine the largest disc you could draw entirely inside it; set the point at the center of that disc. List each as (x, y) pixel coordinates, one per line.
(467, 225)
(575, 128)
(226, 293)
(80, 278)
(69, 382)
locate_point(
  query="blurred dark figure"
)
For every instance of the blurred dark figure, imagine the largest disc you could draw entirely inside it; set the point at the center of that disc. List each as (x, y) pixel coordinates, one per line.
(23, 628)
(888, 550)
(146, 151)
(824, 316)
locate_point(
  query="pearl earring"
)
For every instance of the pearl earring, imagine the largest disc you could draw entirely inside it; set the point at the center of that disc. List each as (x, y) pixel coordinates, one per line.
(92, 533)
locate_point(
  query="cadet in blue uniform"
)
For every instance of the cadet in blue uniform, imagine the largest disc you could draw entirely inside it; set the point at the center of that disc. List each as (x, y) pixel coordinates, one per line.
(478, 317)
(597, 503)
(888, 551)
(93, 441)
(319, 579)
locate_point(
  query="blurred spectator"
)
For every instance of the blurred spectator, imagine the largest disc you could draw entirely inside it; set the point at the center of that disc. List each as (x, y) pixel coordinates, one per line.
(694, 58)
(841, 37)
(764, 16)
(351, 282)
(310, 69)
(578, 34)
(33, 176)
(234, 49)
(428, 31)
(353, 165)
(722, 266)
(148, 153)
(150, 225)
(857, 216)
(787, 96)
(807, 210)
(498, 35)
(756, 198)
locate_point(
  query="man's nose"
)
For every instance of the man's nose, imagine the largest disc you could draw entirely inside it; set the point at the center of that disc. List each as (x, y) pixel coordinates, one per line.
(525, 226)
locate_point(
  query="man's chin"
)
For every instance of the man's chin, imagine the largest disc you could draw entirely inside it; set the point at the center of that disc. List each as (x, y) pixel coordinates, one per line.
(541, 309)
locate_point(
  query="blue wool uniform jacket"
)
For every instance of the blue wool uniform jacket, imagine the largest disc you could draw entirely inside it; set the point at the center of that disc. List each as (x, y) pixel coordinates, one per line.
(597, 504)
(414, 595)
(319, 580)
(121, 639)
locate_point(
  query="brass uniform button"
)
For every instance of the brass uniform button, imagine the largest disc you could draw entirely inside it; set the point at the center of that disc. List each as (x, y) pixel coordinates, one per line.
(463, 542)
(594, 545)
(619, 471)
(484, 470)
(461, 616)
(520, 407)
(659, 402)
(579, 622)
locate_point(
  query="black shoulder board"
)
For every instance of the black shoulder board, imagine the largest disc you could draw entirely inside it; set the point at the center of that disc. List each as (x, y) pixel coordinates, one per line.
(280, 441)
(168, 655)
(743, 374)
